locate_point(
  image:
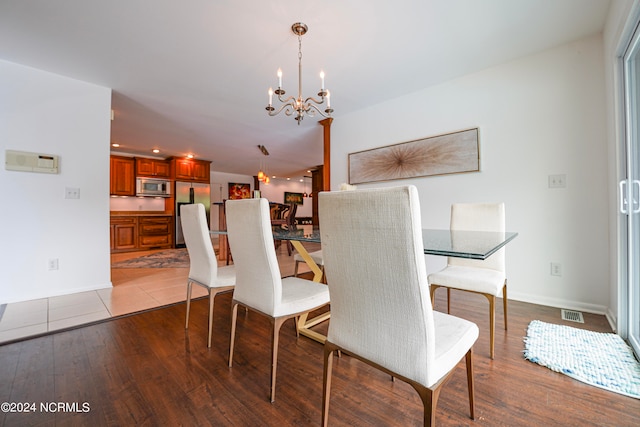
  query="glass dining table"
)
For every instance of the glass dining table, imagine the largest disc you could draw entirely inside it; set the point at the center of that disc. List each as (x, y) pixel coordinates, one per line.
(450, 243)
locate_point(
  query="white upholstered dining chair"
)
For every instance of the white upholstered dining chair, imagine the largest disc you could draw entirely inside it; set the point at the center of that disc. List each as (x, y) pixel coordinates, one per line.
(203, 265)
(381, 312)
(259, 286)
(316, 256)
(485, 277)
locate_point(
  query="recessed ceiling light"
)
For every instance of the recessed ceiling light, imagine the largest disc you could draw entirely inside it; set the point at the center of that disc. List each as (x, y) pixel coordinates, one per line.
(116, 145)
(155, 150)
(190, 156)
(288, 179)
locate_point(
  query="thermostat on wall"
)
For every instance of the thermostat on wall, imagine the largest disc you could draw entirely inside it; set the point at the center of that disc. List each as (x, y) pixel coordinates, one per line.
(30, 162)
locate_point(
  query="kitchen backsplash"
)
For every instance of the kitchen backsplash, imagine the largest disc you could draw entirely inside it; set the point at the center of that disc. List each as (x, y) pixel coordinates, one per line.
(136, 204)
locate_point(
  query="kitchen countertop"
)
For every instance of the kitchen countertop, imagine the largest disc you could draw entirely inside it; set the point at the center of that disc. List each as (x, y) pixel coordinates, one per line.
(140, 213)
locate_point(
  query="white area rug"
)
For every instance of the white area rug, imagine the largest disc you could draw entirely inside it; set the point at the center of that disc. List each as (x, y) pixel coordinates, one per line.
(599, 359)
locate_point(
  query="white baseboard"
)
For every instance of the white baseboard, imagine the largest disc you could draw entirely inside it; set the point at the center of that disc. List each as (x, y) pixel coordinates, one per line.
(560, 303)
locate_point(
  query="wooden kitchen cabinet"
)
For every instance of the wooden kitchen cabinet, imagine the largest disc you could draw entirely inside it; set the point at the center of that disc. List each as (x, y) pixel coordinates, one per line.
(122, 176)
(153, 168)
(185, 169)
(124, 233)
(155, 232)
(141, 232)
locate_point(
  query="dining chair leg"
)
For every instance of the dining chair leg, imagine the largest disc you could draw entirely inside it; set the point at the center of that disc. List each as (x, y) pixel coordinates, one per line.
(296, 326)
(432, 292)
(277, 323)
(295, 269)
(234, 316)
(212, 297)
(492, 322)
(504, 303)
(448, 300)
(469, 362)
(189, 285)
(326, 383)
(429, 399)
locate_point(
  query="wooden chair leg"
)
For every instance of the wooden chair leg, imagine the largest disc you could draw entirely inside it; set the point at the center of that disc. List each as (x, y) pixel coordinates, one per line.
(504, 303)
(234, 316)
(212, 297)
(189, 284)
(296, 326)
(295, 269)
(277, 323)
(326, 383)
(469, 361)
(492, 323)
(448, 300)
(432, 292)
(429, 399)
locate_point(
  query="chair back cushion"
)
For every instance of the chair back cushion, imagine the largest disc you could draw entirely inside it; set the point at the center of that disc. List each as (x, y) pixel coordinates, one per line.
(479, 217)
(374, 261)
(258, 282)
(202, 259)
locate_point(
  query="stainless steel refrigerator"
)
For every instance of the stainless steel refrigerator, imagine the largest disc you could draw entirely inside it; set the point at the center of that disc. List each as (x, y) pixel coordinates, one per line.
(189, 193)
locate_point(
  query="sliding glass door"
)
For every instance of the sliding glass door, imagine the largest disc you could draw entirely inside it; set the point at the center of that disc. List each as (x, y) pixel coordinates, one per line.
(630, 191)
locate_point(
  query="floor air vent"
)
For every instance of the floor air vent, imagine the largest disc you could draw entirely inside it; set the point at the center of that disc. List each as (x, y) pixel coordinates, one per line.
(572, 316)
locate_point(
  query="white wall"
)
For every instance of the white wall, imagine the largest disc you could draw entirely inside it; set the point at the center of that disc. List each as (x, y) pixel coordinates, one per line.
(47, 113)
(540, 115)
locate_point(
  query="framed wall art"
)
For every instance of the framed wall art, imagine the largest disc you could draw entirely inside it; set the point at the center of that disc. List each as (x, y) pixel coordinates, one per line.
(295, 198)
(239, 191)
(455, 152)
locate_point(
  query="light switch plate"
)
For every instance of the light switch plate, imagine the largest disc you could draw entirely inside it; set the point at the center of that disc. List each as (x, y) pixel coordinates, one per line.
(557, 181)
(71, 193)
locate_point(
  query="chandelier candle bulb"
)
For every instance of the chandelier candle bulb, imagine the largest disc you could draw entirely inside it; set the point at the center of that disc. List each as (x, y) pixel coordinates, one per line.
(322, 80)
(328, 99)
(279, 78)
(270, 96)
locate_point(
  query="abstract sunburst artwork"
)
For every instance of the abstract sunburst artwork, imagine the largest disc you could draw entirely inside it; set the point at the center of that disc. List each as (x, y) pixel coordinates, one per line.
(454, 152)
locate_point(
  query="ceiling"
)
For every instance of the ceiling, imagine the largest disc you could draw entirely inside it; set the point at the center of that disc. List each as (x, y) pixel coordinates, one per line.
(192, 76)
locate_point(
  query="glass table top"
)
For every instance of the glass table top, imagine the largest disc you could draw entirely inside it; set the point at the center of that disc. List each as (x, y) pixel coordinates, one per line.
(465, 243)
(453, 243)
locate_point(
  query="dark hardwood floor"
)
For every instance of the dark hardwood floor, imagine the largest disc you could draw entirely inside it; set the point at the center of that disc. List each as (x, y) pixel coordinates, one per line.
(145, 369)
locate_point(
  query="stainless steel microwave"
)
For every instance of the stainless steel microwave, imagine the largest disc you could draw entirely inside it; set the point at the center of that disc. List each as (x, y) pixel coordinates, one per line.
(153, 187)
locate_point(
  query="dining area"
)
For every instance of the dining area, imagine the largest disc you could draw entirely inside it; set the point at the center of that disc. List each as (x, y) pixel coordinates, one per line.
(368, 295)
(148, 369)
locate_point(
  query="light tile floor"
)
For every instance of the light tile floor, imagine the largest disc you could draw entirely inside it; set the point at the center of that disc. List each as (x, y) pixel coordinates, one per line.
(133, 290)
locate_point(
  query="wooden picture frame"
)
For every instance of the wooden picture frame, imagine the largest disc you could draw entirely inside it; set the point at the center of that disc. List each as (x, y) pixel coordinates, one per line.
(455, 152)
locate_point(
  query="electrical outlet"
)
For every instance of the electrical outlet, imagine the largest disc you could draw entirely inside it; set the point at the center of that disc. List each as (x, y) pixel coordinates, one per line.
(556, 269)
(52, 264)
(71, 193)
(557, 181)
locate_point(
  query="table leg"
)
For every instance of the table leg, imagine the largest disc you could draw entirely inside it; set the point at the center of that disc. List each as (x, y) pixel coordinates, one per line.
(304, 323)
(317, 272)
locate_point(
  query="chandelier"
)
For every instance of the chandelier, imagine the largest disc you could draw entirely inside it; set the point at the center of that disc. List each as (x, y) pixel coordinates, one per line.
(299, 106)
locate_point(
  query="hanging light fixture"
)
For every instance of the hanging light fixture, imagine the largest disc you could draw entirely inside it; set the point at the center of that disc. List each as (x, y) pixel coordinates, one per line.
(262, 176)
(299, 106)
(305, 187)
